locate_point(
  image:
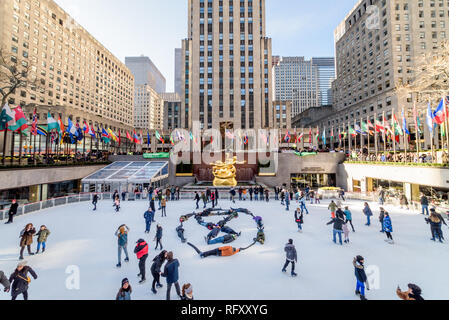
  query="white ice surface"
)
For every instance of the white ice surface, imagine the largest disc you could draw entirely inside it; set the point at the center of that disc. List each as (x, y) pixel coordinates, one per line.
(86, 239)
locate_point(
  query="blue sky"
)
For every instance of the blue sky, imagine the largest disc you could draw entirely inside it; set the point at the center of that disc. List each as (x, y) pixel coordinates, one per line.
(154, 27)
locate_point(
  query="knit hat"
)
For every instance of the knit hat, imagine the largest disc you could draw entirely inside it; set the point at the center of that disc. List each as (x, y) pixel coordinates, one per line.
(125, 281)
(22, 263)
(415, 289)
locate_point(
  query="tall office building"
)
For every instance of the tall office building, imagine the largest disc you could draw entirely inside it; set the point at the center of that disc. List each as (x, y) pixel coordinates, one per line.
(172, 111)
(146, 72)
(226, 65)
(296, 80)
(178, 71)
(326, 75)
(379, 47)
(76, 76)
(148, 109)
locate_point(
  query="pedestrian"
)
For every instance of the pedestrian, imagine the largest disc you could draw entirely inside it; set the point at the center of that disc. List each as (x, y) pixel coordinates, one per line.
(26, 239)
(12, 211)
(381, 197)
(361, 277)
(122, 242)
(204, 198)
(187, 292)
(123, 195)
(152, 206)
(381, 219)
(158, 236)
(171, 273)
(20, 281)
(178, 191)
(141, 251)
(197, 199)
(413, 293)
(148, 216)
(208, 193)
(337, 222)
(291, 257)
(436, 220)
(158, 261)
(240, 193)
(368, 213)
(124, 294)
(346, 231)
(424, 204)
(348, 216)
(164, 206)
(287, 200)
(114, 195)
(256, 193)
(276, 193)
(42, 236)
(95, 201)
(299, 219)
(303, 207)
(117, 204)
(388, 227)
(333, 208)
(261, 193)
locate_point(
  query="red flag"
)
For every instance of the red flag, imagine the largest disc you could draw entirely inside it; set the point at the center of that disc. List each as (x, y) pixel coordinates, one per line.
(310, 135)
(34, 124)
(119, 137)
(128, 136)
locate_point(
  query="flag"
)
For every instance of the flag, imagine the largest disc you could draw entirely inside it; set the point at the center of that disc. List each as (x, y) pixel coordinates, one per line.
(6, 117)
(396, 127)
(80, 135)
(148, 138)
(91, 132)
(159, 137)
(429, 118)
(105, 136)
(20, 121)
(404, 123)
(370, 126)
(332, 134)
(287, 137)
(52, 124)
(61, 126)
(352, 132)
(379, 127)
(358, 129)
(128, 136)
(299, 138)
(136, 138)
(34, 124)
(310, 135)
(317, 137)
(85, 127)
(172, 142)
(416, 120)
(439, 115)
(324, 136)
(112, 135)
(71, 128)
(119, 137)
(40, 130)
(245, 140)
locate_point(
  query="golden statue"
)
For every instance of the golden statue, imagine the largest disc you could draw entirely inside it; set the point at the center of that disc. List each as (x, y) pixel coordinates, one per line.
(225, 172)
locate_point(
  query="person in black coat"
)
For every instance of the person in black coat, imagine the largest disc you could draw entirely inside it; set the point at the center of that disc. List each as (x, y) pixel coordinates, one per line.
(12, 211)
(217, 196)
(359, 270)
(158, 237)
(197, 199)
(153, 208)
(19, 281)
(171, 272)
(180, 231)
(95, 201)
(338, 228)
(158, 261)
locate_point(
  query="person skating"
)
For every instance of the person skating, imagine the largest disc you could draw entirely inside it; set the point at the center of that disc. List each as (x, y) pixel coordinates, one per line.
(302, 202)
(346, 231)
(122, 242)
(164, 206)
(148, 216)
(42, 236)
(425, 205)
(158, 261)
(388, 227)
(333, 208)
(124, 293)
(152, 206)
(171, 273)
(204, 199)
(26, 239)
(95, 201)
(232, 194)
(337, 222)
(12, 211)
(117, 204)
(291, 257)
(212, 199)
(287, 201)
(229, 238)
(341, 195)
(368, 213)
(260, 237)
(197, 199)
(436, 220)
(251, 192)
(413, 293)
(361, 277)
(299, 219)
(20, 281)
(312, 196)
(348, 216)
(141, 251)
(187, 292)
(267, 195)
(381, 219)
(158, 237)
(114, 196)
(4, 282)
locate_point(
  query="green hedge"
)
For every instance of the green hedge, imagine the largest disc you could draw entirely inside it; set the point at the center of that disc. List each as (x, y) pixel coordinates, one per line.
(402, 164)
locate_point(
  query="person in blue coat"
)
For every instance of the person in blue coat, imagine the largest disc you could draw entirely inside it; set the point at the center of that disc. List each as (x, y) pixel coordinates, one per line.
(125, 291)
(122, 242)
(388, 227)
(359, 270)
(287, 200)
(348, 216)
(368, 213)
(148, 215)
(228, 238)
(302, 202)
(171, 273)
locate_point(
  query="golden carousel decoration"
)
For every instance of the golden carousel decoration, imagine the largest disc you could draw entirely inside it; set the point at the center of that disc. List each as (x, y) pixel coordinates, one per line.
(225, 172)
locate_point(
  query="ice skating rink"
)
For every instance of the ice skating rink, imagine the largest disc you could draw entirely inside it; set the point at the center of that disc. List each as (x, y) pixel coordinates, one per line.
(85, 239)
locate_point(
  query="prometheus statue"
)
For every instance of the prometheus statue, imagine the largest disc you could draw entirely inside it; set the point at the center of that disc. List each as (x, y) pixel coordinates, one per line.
(225, 172)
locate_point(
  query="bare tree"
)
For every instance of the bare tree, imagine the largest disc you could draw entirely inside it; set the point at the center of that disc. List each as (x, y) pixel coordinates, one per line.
(15, 75)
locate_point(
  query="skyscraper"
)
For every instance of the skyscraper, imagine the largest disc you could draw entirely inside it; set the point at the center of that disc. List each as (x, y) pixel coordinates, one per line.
(326, 75)
(226, 65)
(178, 71)
(146, 72)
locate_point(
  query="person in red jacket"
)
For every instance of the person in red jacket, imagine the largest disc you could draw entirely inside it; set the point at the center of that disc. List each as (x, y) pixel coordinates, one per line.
(141, 251)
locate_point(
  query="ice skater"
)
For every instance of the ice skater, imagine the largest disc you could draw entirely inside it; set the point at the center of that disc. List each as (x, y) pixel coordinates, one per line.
(337, 222)
(291, 257)
(12, 211)
(333, 208)
(164, 206)
(117, 204)
(388, 227)
(436, 220)
(124, 294)
(148, 216)
(302, 202)
(26, 239)
(158, 237)
(299, 219)
(141, 251)
(20, 281)
(413, 293)
(361, 277)
(171, 273)
(42, 236)
(158, 261)
(348, 216)
(346, 231)
(197, 199)
(122, 242)
(95, 201)
(368, 213)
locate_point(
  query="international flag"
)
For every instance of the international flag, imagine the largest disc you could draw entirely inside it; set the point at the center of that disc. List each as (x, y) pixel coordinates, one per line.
(128, 136)
(20, 121)
(52, 124)
(105, 136)
(287, 137)
(299, 138)
(324, 136)
(379, 127)
(92, 132)
(317, 137)
(61, 126)
(148, 139)
(310, 135)
(245, 140)
(429, 118)
(370, 126)
(159, 137)
(358, 129)
(85, 127)
(439, 115)
(404, 123)
(80, 135)
(172, 142)
(136, 138)
(71, 128)
(34, 124)
(6, 117)
(40, 130)
(352, 132)
(112, 135)
(396, 126)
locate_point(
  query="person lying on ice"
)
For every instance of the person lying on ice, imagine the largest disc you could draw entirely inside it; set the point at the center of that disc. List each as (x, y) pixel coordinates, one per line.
(213, 234)
(225, 239)
(260, 236)
(228, 230)
(220, 252)
(180, 232)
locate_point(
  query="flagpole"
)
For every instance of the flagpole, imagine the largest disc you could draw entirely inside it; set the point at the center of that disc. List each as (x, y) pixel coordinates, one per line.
(405, 135)
(445, 123)
(5, 139)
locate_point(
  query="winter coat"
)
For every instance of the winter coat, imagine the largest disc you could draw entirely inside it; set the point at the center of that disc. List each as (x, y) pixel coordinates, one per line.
(123, 294)
(197, 197)
(152, 205)
(332, 207)
(157, 264)
(141, 249)
(348, 215)
(404, 201)
(299, 217)
(359, 270)
(95, 199)
(19, 280)
(435, 223)
(388, 227)
(287, 197)
(290, 252)
(228, 251)
(163, 203)
(228, 239)
(424, 201)
(338, 224)
(367, 211)
(159, 233)
(13, 208)
(382, 216)
(171, 271)
(27, 237)
(42, 235)
(122, 238)
(148, 216)
(340, 214)
(3, 280)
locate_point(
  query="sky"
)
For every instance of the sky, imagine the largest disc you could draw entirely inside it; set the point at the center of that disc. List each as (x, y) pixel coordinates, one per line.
(155, 28)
